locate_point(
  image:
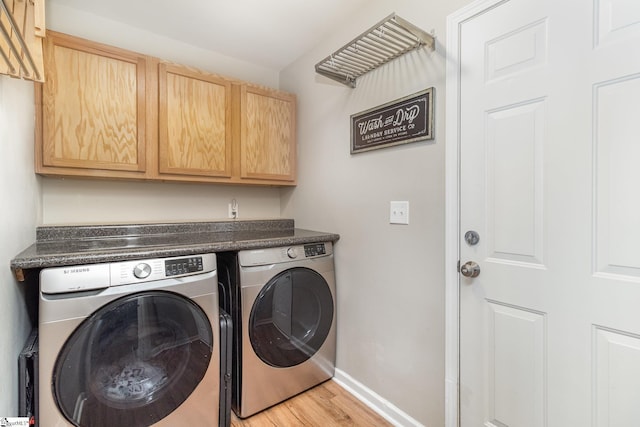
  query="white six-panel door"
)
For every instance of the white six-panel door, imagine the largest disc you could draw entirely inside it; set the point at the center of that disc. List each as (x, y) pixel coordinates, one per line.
(548, 130)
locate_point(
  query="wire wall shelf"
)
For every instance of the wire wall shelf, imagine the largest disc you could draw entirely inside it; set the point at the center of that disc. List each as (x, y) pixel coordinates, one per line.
(385, 41)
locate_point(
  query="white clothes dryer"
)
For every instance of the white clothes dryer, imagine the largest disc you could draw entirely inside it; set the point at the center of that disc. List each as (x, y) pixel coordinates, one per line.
(282, 302)
(132, 343)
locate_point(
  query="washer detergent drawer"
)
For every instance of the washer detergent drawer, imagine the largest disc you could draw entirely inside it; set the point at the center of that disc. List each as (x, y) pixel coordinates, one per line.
(75, 278)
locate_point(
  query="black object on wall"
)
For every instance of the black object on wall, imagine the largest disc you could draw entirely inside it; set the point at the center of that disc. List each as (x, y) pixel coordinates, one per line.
(28, 378)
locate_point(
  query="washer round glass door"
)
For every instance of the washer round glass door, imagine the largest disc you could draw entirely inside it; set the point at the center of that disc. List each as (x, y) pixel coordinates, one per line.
(291, 317)
(133, 361)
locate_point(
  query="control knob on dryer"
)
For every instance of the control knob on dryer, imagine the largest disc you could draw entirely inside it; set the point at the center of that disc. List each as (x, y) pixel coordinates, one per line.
(292, 253)
(142, 270)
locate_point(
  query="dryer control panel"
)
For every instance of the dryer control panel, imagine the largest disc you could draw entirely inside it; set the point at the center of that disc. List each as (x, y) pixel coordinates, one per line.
(279, 255)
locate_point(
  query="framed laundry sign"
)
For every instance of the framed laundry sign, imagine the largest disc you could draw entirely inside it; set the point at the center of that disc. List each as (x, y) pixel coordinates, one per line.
(402, 121)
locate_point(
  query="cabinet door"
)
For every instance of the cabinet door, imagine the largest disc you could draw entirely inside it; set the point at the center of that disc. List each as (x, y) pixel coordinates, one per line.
(93, 109)
(194, 122)
(268, 144)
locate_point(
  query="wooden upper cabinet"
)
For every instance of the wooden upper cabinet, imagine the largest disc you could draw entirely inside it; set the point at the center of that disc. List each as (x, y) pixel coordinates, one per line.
(93, 108)
(106, 112)
(194, 122)
(267, 134)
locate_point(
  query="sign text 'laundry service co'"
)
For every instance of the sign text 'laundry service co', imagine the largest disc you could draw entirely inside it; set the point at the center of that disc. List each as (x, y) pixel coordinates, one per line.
(405, 120)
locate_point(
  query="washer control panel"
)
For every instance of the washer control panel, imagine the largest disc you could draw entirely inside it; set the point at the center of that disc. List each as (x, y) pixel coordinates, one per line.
(180, 266)
(78, 278)
(123, 273)
(314, 250)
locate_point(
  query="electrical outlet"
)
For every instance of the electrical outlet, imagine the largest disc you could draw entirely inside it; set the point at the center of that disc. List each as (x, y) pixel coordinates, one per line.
(233, 209)
(399, 213)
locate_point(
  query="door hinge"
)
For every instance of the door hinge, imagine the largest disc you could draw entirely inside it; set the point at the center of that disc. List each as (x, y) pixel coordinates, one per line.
(458, 266)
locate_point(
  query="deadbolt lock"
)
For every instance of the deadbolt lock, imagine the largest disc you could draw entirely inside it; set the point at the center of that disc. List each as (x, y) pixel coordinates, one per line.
(471, 237)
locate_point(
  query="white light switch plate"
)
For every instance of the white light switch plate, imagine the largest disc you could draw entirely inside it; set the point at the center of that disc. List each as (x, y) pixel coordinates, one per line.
(399, 213)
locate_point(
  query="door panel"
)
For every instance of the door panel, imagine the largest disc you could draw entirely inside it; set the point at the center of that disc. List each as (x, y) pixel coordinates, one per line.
(514, 182)
(616, 374)
(291, 317)
(616, 133)
(617, 20)
(549, 103)
(516, 362)
(133, 361)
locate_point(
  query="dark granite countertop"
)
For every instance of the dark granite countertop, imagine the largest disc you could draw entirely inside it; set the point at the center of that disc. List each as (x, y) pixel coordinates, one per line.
(88, 244)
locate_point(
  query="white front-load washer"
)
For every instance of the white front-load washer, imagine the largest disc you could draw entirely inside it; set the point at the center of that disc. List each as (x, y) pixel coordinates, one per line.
(282, 302)
(133, 343)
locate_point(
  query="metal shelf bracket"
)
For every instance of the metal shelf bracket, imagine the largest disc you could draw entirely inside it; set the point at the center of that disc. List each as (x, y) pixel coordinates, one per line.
(387, 40)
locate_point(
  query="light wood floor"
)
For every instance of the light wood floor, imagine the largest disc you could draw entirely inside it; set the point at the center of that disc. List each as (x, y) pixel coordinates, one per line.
(326, 405)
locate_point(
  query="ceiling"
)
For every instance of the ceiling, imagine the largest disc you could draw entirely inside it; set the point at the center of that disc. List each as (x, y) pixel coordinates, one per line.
(270, 33)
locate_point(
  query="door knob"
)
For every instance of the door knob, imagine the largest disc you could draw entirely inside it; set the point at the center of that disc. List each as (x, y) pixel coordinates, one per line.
(470, 269)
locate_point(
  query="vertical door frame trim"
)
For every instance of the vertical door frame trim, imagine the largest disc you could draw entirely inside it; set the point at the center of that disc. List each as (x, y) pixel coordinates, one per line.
(452, 205)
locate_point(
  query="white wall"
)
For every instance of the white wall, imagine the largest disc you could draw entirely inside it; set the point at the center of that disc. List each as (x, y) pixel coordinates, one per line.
(19, 215)
(77, 201)
(390, 278)
(93, 27)
(71, 201)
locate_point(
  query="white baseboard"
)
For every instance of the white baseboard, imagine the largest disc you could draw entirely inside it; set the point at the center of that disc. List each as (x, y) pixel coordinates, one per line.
(383, 407)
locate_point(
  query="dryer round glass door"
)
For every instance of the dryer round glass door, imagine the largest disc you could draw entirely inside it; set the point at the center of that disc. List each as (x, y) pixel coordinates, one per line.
(133, 361)
(291, 317)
